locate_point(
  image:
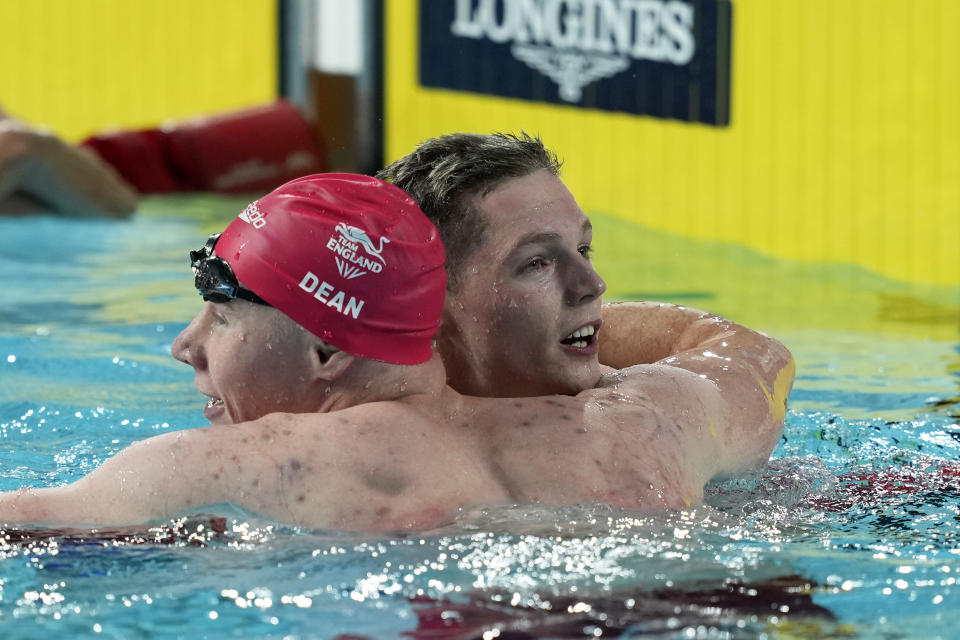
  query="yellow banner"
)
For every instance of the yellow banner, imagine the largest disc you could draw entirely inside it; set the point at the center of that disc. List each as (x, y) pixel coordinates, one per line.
(83, 66)
(841, 148)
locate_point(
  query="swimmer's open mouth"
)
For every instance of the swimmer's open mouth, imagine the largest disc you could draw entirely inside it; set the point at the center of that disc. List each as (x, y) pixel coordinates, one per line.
(582, 337)
(215, 410)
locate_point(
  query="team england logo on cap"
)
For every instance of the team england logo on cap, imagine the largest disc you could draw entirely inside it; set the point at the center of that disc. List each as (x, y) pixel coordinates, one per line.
(252, 215)
(347, 243)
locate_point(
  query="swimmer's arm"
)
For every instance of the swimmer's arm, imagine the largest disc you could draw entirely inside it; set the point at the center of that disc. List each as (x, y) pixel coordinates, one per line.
(61, 177)
(740, 383)
(643, 332)
(179, 472)
(149, 480)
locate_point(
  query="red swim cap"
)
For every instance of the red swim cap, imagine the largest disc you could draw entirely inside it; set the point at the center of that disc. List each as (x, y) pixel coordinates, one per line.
(350, 258)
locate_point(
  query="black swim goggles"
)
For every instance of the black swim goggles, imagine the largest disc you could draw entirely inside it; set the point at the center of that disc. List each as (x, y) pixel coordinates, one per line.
(214, 278)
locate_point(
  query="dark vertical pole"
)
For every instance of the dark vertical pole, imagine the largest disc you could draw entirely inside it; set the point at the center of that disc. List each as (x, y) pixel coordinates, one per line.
(375, 37)
(283, 54)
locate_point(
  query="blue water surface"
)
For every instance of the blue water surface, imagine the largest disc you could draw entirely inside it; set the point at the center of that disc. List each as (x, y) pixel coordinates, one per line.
(852, 530)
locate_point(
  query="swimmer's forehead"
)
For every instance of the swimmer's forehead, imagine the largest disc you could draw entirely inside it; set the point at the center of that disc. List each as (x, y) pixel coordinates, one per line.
(548, 237)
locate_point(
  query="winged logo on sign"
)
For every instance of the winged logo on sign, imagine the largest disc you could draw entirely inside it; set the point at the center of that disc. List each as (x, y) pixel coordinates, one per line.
(570, 70)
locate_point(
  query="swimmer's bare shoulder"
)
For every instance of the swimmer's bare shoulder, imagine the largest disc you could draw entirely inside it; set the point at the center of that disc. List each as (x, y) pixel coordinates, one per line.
(665, 419)
(369, 467)
(598, 446)
(728, 382)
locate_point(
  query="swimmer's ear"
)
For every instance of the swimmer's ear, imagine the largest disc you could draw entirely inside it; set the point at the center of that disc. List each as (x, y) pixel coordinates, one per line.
(325, 351)
(331, 362)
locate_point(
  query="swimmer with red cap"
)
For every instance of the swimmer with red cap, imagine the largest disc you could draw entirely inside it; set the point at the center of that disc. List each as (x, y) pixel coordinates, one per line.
(348, 277)
(329, 406)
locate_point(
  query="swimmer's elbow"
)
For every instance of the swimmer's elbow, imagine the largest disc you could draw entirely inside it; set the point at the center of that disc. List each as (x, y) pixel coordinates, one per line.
(785, 372)
(773, 373)
(16, 144)
(782, 356)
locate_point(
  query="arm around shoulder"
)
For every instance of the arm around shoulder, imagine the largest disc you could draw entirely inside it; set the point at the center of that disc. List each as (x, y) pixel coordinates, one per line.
(643, 332)
(753, 373)
(741, 382)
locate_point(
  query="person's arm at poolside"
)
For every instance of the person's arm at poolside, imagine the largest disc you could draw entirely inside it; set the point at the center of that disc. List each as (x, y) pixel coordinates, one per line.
(57, 176)
(742, 376)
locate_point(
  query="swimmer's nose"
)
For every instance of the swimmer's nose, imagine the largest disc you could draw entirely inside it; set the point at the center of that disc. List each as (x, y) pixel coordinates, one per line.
(186, 348)
(584, 284)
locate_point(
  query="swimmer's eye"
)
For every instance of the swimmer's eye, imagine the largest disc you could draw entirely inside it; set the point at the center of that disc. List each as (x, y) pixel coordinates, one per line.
(534, 265)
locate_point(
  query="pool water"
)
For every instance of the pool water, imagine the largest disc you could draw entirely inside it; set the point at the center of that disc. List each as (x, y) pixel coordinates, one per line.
(851, 531)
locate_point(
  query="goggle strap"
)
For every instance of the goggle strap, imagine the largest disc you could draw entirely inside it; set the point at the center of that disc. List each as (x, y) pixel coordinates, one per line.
(201, 263)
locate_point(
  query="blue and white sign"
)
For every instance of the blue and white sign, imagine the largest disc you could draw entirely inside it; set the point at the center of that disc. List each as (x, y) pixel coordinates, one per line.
(663, 58)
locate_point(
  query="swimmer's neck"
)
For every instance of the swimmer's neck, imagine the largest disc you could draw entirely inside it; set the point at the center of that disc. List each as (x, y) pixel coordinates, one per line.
(370, 381)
